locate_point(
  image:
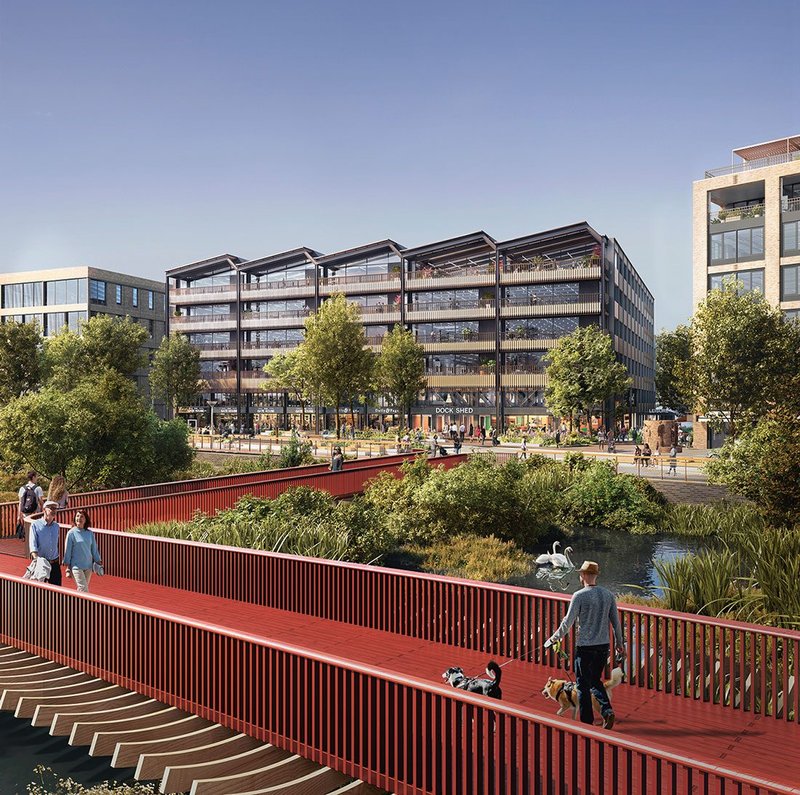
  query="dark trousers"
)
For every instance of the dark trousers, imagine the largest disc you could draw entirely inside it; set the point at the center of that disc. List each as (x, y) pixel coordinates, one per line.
(55, 572)
(589, 664)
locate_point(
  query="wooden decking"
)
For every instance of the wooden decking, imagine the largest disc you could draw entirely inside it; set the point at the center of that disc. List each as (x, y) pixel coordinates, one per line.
(733, 739)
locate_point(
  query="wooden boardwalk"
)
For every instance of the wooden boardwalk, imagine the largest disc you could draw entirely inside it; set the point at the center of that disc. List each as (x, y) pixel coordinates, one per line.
(733, 739)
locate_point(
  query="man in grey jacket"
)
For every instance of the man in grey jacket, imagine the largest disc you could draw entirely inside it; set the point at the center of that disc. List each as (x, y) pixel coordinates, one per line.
(594, 608)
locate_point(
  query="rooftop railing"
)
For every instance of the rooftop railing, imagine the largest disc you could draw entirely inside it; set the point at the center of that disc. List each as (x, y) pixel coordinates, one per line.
(543, 264)
(750, 165)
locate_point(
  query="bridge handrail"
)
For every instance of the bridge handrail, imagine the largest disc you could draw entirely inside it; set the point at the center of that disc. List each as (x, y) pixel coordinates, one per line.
(9, 510)
(73, 643)
(715, 660)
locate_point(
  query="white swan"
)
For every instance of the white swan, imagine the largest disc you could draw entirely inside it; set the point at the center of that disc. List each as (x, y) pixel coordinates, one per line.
(562, 561)
(546, 558)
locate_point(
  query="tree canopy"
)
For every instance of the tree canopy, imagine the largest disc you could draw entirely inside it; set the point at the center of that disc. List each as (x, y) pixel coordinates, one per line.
(336, 361)
(21, 347)
(401, 370)
(673, 351)
(104, 343)
(744, 360)
(583, 372)
(288, 372)
(175, 372)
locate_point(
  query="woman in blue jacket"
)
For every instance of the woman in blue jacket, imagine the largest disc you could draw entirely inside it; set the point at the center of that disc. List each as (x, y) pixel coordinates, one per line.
(81, 552)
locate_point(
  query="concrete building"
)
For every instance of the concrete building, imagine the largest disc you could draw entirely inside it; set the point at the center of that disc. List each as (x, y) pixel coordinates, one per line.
(62, 297)
(486, 312)
(746, 222)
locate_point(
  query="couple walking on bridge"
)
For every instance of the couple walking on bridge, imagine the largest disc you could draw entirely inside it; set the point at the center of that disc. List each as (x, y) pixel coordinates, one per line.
(594, 608)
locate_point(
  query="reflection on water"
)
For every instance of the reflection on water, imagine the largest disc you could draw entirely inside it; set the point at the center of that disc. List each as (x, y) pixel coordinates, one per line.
(626, 561)
(23, 747)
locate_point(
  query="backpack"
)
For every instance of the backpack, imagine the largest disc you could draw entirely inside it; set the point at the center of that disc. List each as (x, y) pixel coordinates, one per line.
(30, 500)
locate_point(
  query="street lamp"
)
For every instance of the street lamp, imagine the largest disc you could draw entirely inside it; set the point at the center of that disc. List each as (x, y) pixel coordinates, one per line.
(212, 403)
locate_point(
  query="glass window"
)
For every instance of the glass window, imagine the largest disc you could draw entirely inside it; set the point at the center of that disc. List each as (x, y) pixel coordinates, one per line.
(118, 293)
(790, 283)
(752, 280)
(791, 238)
(22, 295)
(757, 247)
(97, 291)
(135, 294)
(150, 301)
(716, 247)
(792, 314)
(729, 245)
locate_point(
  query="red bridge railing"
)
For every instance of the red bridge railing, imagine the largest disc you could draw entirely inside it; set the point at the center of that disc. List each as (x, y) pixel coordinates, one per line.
(8, 510)
(396, 732)
(730, 664)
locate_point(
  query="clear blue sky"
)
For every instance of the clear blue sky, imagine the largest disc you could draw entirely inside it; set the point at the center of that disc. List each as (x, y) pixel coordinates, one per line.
(142, 135)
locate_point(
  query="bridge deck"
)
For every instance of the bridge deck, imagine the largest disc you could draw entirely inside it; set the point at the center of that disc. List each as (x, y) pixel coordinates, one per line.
(733, 739)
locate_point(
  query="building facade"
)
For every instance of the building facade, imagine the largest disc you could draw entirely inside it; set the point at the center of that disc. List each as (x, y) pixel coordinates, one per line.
(746, 223)
(63, 297)
(485, 312)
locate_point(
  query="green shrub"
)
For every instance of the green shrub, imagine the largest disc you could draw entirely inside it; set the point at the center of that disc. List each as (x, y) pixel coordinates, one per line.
(50, 783)
(473, 557)
(599, 496)
(295, 454)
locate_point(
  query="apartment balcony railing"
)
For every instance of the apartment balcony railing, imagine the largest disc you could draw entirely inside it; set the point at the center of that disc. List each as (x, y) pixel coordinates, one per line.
(450, 310)
(790, 205)
(736, 213)
(269, 345)
(442, 306)
(380, 309)
(436, 279)
(217, 290)
(291, 286)
(750, 165)
(533, 340)
(551, 271)
(375, 341)
(389, 282)
(460, 370)
(276, 319)
(536, 306)
(209, 322)
(220, 382)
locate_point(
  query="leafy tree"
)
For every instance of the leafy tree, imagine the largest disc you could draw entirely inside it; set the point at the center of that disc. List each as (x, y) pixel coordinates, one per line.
(401, 370)
(104, 343)
(763, 465)
(583, 372)
(99, 433)
(287, 371)
(673, 351)
(744, 359)
(338, 364)
(20, 358)
(175, 372)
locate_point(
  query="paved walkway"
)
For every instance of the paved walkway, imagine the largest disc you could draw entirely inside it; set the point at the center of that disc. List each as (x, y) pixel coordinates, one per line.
(736, 740)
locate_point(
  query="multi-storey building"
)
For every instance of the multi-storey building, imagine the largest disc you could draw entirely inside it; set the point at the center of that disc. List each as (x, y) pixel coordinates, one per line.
(62, 297)
(485, 312)
(746, 222)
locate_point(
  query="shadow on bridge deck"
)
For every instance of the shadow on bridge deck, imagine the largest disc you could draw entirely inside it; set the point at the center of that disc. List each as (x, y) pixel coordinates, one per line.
(737, 740)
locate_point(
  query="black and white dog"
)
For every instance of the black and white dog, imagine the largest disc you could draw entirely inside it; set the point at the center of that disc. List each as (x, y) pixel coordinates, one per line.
(473, 684)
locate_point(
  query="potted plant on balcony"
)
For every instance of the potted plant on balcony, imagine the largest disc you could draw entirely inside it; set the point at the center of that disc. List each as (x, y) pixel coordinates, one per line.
(723, 215)
(467, 334)
(487, 367)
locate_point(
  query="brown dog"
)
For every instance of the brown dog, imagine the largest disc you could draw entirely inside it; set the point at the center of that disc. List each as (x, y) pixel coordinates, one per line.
(566, 693)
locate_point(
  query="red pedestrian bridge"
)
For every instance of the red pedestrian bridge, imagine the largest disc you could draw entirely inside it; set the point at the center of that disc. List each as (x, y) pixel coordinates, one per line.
(341, 664)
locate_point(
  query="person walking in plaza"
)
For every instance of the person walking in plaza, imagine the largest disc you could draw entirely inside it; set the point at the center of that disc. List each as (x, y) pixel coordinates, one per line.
(337, 459)
(673, 461)
(80, 552)
(646, 453)
(31, 498)
(601, 439)
(44, 541)
(57, 492)
(495, 437)
(462, 430)
(594, 608)
(434, 444)
(524, 451)
(483, 434)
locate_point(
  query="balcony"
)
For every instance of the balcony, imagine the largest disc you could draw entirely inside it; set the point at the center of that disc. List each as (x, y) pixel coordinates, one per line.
(546, 306)
(450, 310)
(289, 288)
(254, 380)
(287, 318)
(218, 293)
(736, 214)
(751, 165)
(369, 283)
(268, 348)
(538, 270)
(219, 382)
(461, 377)
(516, 377)
(519, 341)
(382, 313)
(189, 323)
(790, 205)
(217, 350)
(433, 279)
(451, 342)
(374, 342)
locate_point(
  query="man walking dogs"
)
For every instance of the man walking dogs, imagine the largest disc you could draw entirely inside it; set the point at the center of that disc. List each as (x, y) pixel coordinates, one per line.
(44, 540)
(594, 608)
